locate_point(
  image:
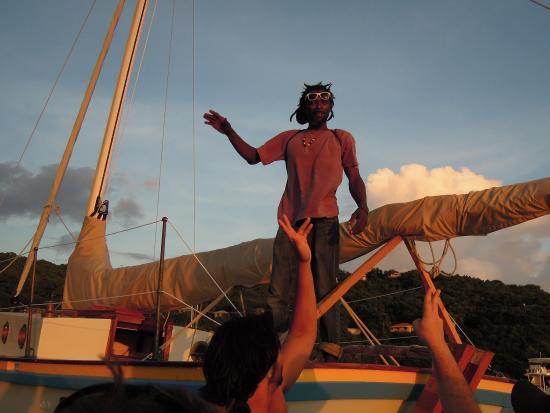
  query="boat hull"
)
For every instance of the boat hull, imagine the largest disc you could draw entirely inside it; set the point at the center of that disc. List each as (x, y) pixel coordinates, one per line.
(36, 386)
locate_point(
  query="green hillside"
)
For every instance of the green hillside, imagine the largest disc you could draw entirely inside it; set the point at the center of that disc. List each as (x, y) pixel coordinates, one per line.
(512, 321)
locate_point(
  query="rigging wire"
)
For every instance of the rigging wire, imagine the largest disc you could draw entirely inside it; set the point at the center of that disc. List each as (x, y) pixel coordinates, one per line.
(19, 255)
(541, 4)
(58, 213)
(84, 300)
(384, 295)
(380, 339)
(126, 113)
(43, 110)
(460, 328)
(193, 116)
(204, 268)
(148, 356)
(163, 136)
(101, 236)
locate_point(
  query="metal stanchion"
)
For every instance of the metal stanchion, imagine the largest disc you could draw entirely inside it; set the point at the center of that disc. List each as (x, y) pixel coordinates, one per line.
(156, 346)
(29, 352)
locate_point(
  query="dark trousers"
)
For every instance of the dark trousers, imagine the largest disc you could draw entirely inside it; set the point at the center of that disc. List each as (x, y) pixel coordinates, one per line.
(324, 243)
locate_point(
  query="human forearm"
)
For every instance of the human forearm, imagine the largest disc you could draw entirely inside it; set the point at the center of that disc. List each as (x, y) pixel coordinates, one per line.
(304, 321)
(248, 152)
(454, 392)
(298, 344)
(359, 194)
(358, 191)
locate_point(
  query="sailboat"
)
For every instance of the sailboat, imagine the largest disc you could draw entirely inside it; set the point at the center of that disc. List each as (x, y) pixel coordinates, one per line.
(45, 355)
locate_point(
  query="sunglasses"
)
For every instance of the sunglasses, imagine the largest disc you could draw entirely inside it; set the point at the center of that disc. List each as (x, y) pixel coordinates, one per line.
(313, 96)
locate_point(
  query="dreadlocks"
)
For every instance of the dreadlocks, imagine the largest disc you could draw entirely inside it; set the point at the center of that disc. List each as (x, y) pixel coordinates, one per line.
(300, 113)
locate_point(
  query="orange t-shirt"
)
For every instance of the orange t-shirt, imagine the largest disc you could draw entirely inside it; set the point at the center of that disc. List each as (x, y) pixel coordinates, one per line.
(315, 160)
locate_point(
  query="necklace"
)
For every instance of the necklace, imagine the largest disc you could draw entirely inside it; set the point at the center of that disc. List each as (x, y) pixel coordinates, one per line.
(307, 143)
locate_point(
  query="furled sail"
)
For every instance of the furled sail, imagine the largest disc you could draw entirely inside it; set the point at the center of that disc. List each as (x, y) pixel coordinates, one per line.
(92, 280)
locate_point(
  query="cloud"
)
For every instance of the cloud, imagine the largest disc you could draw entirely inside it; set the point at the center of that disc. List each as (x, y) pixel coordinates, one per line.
(516, 255)
(25, 193)
(65, 244)
(136, 256)
(127, 210)
(416, 181)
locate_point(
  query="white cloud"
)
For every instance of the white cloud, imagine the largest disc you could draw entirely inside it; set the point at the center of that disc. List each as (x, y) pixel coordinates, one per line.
(416, 181)
(485, 270)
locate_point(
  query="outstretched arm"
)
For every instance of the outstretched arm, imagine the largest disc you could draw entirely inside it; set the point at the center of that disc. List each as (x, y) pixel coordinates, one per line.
(455, 394)
(296, 349)
(359, 194)
(222, 125)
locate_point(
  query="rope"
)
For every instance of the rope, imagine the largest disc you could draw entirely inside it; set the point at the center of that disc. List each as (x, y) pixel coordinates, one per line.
(380, 339)
(58, 213)
(204, 268)
(384, 295)
(163, 137)
(19, 255)
(126, 113)
(33, 131)
(436, 264)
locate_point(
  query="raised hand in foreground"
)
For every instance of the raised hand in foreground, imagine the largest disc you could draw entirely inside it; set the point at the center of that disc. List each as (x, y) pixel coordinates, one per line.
(298, 238)
(298, 344)
(454, 392)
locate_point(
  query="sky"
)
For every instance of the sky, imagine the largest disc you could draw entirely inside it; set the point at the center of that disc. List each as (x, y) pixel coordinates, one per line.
(441, 97)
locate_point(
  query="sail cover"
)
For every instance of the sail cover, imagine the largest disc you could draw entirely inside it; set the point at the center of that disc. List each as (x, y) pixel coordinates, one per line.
(91, 279)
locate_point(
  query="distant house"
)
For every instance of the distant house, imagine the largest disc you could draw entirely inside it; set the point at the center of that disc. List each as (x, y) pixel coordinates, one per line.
(394, 274)
(353, 331)
(402, 328)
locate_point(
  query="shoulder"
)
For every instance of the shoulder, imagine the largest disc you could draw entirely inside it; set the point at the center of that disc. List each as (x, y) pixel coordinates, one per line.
(344, 134)
(345, 137)
(283, 136)
(287, 134)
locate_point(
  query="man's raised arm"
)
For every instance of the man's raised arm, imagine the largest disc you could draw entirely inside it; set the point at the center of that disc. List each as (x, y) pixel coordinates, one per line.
(222, 125)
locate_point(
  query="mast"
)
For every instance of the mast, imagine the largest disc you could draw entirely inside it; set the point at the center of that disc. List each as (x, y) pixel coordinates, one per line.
(62, 168)
(103, 162)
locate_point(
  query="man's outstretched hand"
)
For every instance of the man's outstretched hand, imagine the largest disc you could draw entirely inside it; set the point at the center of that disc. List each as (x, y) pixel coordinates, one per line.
(359, 220)
(298, 238)
(217, 121)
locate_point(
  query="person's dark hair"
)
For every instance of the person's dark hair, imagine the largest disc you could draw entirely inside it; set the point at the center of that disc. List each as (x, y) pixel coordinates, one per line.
(119, 398)
(240, 354)
(528, 398)
(300, 113)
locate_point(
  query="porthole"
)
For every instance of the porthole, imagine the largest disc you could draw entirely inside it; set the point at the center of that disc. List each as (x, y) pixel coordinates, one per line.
(22, 336)
(5, 332)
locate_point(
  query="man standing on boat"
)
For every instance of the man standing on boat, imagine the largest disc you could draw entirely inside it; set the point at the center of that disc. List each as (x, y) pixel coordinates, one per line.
(315, 159)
